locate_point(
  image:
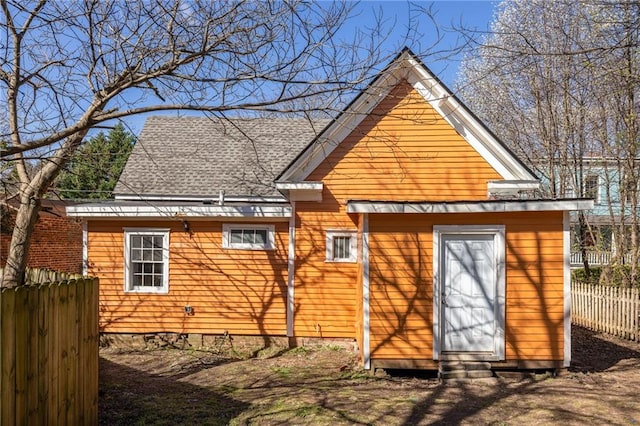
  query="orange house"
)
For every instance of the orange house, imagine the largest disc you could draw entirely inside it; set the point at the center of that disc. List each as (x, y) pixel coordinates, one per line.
(403, 224)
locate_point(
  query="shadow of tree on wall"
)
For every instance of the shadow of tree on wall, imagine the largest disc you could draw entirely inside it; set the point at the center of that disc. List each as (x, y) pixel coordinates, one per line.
(234, 292)
(160, 400)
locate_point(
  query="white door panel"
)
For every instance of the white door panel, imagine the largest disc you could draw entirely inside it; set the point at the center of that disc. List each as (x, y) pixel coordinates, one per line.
(468, 293)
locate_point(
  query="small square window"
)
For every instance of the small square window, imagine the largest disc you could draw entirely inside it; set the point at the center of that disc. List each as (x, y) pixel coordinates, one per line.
(342, 246)
(248, 237)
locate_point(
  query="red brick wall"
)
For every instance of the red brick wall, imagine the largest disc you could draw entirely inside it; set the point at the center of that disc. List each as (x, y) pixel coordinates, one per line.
(56, 243)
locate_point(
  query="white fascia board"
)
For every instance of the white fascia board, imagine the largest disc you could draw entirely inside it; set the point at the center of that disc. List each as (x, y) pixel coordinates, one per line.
(301, 191)
(468, 207)
(511, 186)
(205, 211)
(468, 126)
(308, 186)
(198, 198)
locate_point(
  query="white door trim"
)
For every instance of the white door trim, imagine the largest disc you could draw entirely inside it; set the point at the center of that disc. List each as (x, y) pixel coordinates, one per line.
(366, 318)
(566, 237)
(498, 232)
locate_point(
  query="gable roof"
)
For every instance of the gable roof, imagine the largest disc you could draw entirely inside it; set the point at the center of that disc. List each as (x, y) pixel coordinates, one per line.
(200, 156)
(407, 66)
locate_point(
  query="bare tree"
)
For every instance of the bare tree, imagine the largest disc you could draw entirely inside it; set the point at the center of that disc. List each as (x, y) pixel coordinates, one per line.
(559, 81)
(67, 67)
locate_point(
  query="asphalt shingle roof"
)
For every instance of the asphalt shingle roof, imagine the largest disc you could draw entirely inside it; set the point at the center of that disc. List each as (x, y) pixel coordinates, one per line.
(199, 156)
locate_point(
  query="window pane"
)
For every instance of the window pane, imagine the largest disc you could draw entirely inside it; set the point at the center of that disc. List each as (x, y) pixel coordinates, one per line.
(157, 280)
(136, 280)
(147, 255)
(248, 236)
(136, 254)
(341, 247)
(136, 241)
(261, 236)
(157, 255)
(157, 242)
(236, 236)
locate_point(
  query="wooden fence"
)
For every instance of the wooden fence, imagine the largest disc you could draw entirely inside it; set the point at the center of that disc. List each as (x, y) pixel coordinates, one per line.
(49, 353)
(612, 310)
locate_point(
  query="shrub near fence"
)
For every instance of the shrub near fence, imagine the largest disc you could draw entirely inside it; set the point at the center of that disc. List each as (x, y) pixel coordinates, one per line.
(609, 309)
(49, 353)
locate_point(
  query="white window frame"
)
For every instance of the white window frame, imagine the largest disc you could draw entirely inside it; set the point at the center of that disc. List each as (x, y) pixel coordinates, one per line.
(596, 198)
(353, 248)
(128, 284)
(226, 237)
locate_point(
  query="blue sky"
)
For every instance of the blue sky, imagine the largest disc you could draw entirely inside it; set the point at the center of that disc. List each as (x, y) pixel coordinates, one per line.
(398, 15)
(449, 14)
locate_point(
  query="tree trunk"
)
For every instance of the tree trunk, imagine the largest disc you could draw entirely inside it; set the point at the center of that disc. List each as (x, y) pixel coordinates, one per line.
(18, 255)
(31, 193)
(582, 229)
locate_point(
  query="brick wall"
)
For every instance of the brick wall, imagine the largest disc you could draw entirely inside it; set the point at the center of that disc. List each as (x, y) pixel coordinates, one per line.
(56, 243)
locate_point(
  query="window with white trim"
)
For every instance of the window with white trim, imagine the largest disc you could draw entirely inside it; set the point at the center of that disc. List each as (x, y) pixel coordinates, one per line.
(342, 246)
(592, 187)
(248, 237)
(146, 254)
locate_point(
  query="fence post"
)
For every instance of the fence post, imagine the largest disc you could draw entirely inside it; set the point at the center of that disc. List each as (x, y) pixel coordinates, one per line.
(7, 357)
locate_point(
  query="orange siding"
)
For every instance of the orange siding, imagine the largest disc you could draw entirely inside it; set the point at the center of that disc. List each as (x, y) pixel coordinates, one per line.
(402, 151)
(402, 284)
(325, 292)
(239, 291)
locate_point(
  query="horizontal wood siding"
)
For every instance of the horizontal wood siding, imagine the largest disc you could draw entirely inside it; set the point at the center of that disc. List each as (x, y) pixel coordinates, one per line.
(404, 151)
(402, 283)
(325, 292)
(235, 291)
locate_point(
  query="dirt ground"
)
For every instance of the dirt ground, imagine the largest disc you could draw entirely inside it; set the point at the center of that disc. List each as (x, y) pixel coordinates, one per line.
(324, 386)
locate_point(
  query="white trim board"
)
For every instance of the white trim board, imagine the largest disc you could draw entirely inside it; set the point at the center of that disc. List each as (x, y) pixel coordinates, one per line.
(366, 309)
(566, 246)
(498, 232)
(177, 211)
(85, 248)
(468, 206)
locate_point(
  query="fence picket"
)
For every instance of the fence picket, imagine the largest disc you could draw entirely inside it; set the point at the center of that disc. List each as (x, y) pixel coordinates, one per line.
(48, 337)
(607, 309)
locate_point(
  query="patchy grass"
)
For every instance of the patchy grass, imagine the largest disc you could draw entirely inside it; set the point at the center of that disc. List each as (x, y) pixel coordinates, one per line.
(324, 386)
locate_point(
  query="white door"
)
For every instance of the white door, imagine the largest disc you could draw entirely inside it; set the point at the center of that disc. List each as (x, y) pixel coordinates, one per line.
(468, 293)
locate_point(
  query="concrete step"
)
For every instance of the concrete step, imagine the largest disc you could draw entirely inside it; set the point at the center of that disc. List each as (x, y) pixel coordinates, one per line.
(460, 370)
